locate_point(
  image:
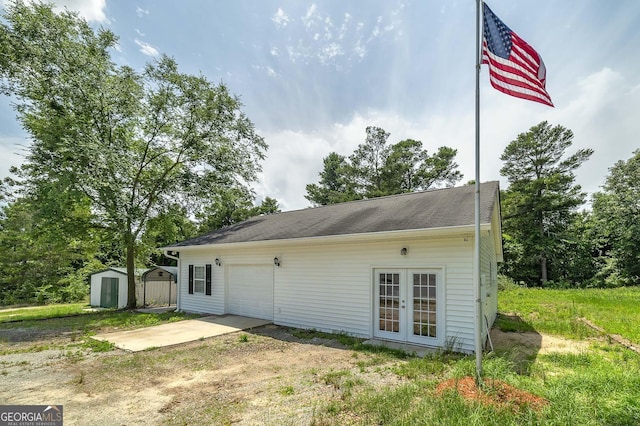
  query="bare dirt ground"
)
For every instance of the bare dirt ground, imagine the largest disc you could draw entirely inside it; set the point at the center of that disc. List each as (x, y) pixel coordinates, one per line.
(264, 377)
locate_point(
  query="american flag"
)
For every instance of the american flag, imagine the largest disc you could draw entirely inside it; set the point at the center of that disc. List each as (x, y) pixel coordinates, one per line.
(515, 68)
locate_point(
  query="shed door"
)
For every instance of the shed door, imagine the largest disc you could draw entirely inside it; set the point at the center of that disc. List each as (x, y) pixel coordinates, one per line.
(251, 291)
(109, 292)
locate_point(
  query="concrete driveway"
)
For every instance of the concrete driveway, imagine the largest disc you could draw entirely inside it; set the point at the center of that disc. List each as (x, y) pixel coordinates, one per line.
(179, 332)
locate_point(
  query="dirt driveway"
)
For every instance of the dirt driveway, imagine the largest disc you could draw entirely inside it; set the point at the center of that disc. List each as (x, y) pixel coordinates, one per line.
(267, 376)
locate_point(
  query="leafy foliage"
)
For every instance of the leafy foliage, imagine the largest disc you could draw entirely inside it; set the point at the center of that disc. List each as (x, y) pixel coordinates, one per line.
(376, 169)
(231, 206)
(616, 212)
(133, 144)
(47, 250)
(335, 185)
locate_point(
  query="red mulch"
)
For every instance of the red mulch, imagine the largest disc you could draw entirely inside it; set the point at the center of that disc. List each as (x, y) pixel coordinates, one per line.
(495, 392)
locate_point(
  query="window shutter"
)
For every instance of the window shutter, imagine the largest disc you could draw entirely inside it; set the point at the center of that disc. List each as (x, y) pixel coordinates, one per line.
(208, 281)
(190, 279)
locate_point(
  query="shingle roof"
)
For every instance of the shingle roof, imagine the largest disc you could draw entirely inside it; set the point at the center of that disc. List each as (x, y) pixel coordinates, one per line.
(438, 208)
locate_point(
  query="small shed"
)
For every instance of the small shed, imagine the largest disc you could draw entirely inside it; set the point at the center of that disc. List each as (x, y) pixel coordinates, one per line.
(109, 287)
(159, 286)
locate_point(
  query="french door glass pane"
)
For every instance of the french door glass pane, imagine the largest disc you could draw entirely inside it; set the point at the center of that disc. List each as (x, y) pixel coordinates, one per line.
(424, 305)
(389, 285)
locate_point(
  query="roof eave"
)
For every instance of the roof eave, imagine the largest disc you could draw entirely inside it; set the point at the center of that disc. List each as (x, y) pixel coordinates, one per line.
(452, 231)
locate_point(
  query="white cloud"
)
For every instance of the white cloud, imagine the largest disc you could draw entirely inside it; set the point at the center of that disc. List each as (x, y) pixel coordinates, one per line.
(335, 41)
(91, 10)
(268, 70)
(595, 91)
(274, 51)
(330, 52)
(146, 48)
(376, 30)
(359, 49)
(344, 28)
(140, 33)
(600, 116)
(308, 18)
(141, 12)
(293, 54)
(280, 18)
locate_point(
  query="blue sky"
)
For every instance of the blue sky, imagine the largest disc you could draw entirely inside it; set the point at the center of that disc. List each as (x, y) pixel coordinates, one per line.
(313, 75)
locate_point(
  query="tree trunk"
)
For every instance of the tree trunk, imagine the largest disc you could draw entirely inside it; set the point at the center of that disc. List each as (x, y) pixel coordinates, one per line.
(543, 269)
(131, 273)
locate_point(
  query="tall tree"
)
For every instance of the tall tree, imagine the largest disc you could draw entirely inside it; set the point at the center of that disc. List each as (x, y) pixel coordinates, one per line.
(542, 197)
(132, 143)
(367, 163)
(334, 186)
(267, 206)
(617, 213)
(375, 169)
(410, 168)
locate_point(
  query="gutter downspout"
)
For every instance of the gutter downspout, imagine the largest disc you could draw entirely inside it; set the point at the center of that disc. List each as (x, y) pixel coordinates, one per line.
(176, 258)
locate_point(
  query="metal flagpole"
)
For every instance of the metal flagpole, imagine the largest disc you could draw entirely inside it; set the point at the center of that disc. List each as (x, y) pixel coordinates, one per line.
(476, 239)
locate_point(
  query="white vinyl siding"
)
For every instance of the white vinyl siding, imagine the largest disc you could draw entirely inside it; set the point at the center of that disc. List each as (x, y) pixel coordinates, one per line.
(489, 273)
(331, 287)
(200, 302)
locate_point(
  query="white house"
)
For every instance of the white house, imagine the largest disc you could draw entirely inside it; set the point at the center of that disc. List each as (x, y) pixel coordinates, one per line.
(395, 268)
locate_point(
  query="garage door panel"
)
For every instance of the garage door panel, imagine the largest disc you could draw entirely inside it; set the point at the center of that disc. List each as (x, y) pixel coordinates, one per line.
(251, 291)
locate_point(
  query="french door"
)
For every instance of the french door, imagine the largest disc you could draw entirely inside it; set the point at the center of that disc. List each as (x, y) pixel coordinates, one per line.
(409, 305)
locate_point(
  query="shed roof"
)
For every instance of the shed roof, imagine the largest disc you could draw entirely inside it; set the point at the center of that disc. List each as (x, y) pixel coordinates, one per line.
(173, 270)
(440, 208)
(123, 271)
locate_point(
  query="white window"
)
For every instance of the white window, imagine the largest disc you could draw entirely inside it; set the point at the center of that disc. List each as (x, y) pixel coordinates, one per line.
(198, 279)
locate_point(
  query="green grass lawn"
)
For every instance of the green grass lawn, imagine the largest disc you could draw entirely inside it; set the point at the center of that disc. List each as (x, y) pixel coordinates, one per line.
(557, 311)
(595, 386)
(42, 312)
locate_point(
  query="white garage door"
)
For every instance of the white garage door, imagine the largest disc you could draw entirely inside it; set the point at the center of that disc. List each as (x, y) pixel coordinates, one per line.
(251, 291)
